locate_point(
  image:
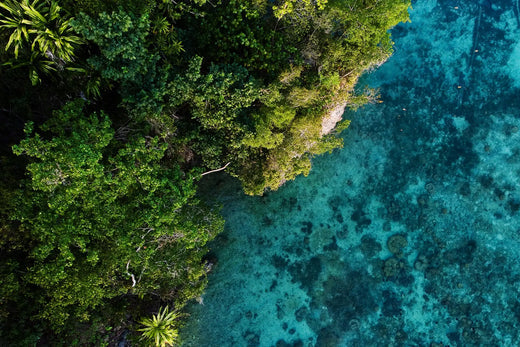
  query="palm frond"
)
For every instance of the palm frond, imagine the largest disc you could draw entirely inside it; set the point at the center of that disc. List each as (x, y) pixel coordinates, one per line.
(34, 14)
(54, 11)
(160, 329)
(34, 77)
(39, 24)
(12, 7)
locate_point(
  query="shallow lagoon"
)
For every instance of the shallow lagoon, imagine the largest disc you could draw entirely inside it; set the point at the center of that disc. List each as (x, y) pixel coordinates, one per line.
(410, 235)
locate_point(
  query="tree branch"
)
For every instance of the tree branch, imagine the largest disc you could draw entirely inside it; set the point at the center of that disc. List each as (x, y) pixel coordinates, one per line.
(131, 275)
(216, 170)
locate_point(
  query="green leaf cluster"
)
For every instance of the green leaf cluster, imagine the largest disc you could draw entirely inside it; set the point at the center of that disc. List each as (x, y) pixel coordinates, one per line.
(125, 59)
(245, 34)
(101, 214)
(40, 33)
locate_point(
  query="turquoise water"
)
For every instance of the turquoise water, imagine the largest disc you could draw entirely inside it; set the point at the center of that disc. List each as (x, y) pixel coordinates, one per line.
(410, 235)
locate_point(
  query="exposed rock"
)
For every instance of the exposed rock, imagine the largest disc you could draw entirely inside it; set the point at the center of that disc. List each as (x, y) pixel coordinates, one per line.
(330, 120)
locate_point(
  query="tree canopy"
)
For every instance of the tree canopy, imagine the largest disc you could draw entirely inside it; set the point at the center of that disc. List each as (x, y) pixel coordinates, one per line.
(114, 109)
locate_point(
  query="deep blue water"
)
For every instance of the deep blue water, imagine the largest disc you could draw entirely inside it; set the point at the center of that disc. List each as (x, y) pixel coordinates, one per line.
(410, 235)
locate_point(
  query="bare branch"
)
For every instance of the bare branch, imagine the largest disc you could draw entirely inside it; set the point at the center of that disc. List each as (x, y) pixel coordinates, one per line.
(216, 170)
(131, 275)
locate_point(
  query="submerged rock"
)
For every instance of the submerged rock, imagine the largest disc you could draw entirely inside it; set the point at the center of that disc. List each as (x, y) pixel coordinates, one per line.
(396, 243)
(421, 263)
(391, 267)
(369, 246)
(301, 313)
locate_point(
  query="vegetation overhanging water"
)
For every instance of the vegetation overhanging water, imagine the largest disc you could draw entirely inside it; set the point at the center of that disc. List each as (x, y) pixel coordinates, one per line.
(114, 111)
(410, 234)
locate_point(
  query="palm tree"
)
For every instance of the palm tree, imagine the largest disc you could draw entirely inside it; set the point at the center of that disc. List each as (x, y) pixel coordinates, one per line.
(15, 21)
(35, 64)
(40, 25)
(54, 36)
(160, 329)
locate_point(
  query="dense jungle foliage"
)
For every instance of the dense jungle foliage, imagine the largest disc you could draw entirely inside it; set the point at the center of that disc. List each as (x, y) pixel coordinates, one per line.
(112, 112)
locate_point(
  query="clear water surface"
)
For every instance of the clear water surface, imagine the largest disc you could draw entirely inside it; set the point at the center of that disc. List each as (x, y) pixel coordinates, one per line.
(410, 235)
